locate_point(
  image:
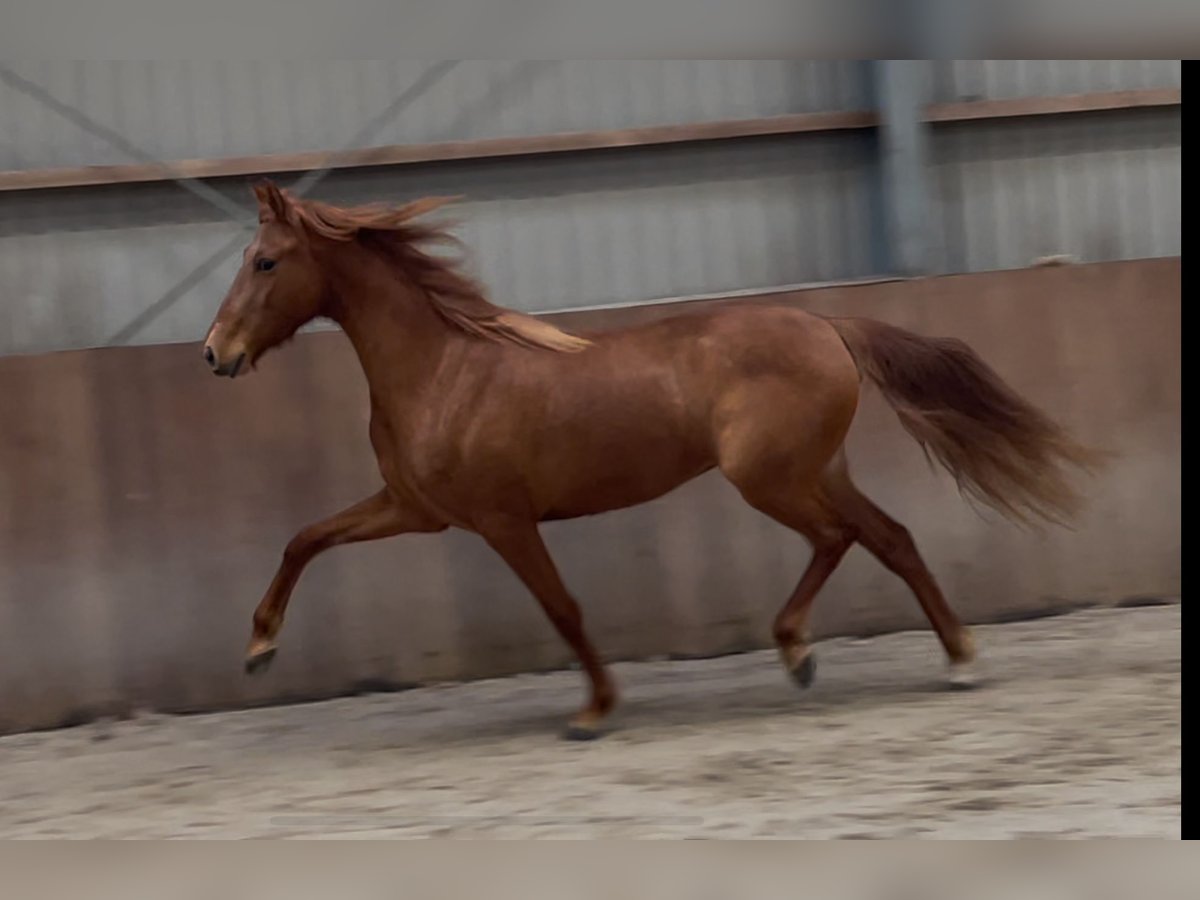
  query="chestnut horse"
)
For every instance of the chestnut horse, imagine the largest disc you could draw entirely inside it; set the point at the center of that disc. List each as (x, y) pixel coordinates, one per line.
(489, 420)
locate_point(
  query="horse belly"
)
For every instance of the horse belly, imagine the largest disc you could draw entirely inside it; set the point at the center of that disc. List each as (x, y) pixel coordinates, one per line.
(609, 476)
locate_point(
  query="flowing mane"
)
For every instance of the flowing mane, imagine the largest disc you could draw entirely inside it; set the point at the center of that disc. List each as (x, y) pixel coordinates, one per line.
(391, 231)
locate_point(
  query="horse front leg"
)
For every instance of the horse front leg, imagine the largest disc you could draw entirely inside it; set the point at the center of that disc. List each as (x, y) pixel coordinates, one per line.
(379, 516)
(521, 546)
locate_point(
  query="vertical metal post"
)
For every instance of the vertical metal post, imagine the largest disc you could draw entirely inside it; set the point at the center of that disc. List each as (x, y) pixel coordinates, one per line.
(904, 166)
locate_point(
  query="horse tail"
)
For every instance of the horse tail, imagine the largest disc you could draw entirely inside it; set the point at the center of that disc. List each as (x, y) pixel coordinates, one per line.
(1001, 450)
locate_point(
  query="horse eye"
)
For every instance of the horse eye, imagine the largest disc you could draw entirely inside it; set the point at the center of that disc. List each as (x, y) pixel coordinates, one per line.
(264, 265)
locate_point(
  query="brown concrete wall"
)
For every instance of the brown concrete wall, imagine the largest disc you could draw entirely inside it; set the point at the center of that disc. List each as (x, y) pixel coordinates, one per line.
(144, 503)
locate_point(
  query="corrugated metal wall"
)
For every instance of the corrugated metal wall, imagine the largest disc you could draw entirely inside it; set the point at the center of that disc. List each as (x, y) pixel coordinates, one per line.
(563, 231)
(1097, 186)
(544, 234)
(184, 110)
(998, 79)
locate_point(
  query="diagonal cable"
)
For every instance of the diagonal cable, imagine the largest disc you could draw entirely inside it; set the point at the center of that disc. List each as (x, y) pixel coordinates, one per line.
(371, 130)
(234, 210)
(427, 79)
(177, 290)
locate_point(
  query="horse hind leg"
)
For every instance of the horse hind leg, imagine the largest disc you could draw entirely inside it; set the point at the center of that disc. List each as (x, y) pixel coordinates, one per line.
(830, 537)
(791, 493)
(784, 481)
(892, 544)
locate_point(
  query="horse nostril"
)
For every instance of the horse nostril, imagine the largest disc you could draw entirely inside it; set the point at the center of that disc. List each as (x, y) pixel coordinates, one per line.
(210, 357)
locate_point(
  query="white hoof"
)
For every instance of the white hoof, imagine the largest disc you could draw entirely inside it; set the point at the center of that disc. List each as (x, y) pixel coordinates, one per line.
(963, 676)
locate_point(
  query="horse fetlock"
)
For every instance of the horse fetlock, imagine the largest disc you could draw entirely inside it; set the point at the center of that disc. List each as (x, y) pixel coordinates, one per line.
(604, 695)
(266, 626)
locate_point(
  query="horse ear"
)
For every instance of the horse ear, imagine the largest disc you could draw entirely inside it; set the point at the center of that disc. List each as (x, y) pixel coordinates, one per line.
(271, 202)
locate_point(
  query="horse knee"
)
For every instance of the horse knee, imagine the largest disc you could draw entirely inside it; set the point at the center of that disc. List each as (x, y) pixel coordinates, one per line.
(843, 540)
(301, 549)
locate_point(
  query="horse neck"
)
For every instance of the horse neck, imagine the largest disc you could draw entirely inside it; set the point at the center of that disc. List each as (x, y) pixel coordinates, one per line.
(398, 336)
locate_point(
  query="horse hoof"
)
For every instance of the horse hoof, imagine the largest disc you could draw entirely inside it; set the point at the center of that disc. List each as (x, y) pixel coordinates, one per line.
(804, 673)
(257, 663)
(962, 677)
(578, 731)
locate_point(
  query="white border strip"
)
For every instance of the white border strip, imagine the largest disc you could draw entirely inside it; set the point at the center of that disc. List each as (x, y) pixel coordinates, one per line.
(724, 295)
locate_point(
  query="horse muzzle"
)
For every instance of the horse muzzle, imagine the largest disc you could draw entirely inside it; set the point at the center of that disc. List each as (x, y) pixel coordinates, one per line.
(226, 367)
